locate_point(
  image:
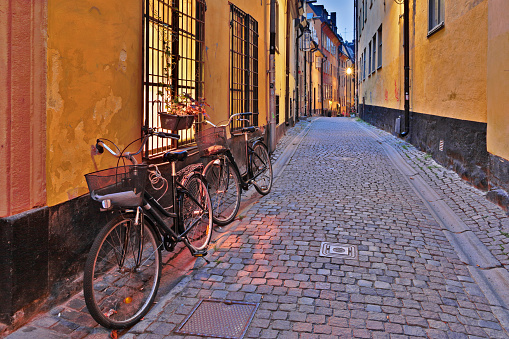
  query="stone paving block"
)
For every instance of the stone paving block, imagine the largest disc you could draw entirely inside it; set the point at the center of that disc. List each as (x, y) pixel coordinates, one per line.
(408, 280)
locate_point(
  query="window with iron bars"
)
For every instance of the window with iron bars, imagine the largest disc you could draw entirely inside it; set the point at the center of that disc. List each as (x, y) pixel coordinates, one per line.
(174, 32)
(243, 65)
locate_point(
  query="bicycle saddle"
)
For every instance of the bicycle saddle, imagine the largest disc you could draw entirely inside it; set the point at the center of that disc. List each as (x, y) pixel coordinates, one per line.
(177, 155)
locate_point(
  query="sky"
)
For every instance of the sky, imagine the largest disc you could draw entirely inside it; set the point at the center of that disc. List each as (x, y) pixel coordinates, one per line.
(344, 10)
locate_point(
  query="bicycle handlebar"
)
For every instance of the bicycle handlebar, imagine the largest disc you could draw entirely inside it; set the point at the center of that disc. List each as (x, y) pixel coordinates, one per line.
(231, 118)
(100, 145)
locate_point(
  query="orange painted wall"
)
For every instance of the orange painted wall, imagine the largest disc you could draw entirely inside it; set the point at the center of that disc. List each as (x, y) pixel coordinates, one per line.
(94, 87)
(217, 55)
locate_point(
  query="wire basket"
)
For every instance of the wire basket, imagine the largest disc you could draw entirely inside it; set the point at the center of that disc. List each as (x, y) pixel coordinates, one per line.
(122, 185)
(211, 141)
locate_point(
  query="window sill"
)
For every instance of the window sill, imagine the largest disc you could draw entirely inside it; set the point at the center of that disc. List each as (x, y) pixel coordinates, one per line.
(436, 29)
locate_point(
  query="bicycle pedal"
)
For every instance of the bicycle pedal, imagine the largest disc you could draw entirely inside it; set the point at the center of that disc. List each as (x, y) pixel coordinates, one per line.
(200, 253)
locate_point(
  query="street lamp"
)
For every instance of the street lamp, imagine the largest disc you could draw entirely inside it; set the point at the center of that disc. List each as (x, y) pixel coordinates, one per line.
(349, 70)
(306, 43)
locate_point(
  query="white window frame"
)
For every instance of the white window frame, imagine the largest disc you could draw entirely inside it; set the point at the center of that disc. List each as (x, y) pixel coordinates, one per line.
(380, 40)
(436, 15)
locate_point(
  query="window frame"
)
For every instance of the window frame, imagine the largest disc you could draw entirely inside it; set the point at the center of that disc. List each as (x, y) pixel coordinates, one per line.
(380, 47)
(374, 61)
(436, 16)
(174, 31)
(244, 56)
(369, 58)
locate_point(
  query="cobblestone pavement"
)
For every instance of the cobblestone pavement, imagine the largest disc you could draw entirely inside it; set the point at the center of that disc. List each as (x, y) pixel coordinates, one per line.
(404, 278)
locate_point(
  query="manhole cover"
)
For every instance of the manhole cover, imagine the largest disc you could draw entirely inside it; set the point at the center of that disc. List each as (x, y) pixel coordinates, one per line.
(338, 250)
(219, 319)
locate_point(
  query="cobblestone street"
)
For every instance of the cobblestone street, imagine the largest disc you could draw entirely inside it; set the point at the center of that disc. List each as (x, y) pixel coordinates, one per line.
(428, 250)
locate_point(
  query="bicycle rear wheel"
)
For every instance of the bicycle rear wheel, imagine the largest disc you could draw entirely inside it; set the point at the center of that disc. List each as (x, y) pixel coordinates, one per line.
(262, 169)
(122, 273)
(197, 212)
(225, 190)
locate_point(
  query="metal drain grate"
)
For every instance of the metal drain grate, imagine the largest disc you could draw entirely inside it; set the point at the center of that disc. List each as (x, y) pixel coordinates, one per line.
(218, 319)
(338, 250)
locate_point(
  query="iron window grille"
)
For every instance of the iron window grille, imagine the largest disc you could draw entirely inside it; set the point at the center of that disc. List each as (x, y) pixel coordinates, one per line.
(174, 32)
(243, 66)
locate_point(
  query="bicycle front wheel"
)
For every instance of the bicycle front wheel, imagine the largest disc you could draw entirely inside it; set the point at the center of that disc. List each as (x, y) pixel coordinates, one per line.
(196, 212)
(122, 273)
(261, 168)
(225, 190)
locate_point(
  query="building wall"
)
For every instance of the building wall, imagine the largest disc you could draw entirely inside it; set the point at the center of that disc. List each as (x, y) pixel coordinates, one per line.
(498, 78)
(457, 79)
(94, 87)
(217, 56)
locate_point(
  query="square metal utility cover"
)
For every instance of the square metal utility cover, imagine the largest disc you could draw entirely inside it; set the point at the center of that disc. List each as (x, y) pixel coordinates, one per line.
(218, 319)
(338, 250)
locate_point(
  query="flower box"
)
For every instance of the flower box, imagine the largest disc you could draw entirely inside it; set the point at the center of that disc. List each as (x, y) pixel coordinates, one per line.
(176, 122)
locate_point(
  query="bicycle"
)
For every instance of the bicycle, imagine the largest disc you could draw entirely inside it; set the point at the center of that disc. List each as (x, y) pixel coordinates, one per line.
(223, 174)
(123, 267)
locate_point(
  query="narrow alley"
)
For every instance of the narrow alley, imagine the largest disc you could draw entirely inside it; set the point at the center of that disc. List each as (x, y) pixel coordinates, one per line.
(413, 251)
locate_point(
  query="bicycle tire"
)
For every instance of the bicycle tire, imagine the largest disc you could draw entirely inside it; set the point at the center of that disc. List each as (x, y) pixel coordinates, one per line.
(224, 189)
(197, 221)
(119, 291)
(261, 168)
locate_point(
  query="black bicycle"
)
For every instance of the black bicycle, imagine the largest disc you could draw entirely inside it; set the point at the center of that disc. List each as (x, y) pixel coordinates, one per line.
(123, 267)
(222, 173)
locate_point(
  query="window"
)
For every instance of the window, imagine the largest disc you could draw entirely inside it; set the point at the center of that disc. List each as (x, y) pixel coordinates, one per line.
(369, 60)
(380, 47)
(173, 61)
(373, 68)
(243, 64)
(436, 15)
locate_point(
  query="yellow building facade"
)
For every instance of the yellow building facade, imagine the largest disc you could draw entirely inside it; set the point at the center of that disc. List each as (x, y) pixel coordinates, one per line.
(457, 57)
(71, 72)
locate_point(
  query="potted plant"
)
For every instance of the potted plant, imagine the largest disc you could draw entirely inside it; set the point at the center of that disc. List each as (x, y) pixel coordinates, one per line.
(180, 111)
(177, 111)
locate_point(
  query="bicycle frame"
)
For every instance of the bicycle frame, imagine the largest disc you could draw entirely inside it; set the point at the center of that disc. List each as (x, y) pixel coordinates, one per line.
(157, 212)
(247, 177)
(154, 210)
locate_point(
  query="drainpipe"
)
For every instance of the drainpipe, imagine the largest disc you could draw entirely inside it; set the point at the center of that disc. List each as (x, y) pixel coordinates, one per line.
(406, 42)
(272, 69)
(297, 77)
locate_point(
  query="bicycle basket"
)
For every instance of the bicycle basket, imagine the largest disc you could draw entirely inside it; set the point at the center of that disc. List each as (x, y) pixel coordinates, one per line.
(211, 141)
(122, 185)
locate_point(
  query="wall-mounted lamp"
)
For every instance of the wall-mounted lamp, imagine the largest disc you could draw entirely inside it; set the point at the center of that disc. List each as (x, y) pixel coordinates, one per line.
(306, 42)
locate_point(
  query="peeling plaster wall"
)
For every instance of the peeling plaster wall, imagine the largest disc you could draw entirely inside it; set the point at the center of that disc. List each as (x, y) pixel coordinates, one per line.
(94, 87)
